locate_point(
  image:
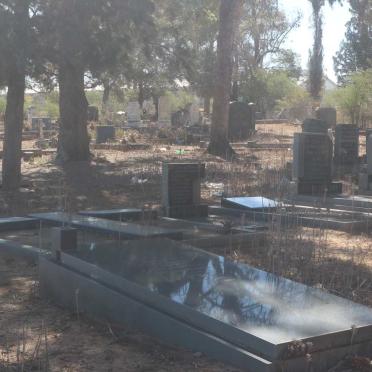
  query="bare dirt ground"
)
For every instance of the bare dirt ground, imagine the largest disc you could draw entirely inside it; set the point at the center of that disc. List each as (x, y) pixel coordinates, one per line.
(38, 335)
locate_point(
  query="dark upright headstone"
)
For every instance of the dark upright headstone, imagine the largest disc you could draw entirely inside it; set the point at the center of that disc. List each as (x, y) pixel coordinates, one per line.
(314, 126)
(181, 190)
(92, 113)
(242, 121)
(104, 133)
(328, 115)
(312, 162)
(346, 145)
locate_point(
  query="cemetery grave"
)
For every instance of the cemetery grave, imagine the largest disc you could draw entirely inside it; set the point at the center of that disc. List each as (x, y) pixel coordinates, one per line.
(185, 186)
(220, 229)
(240, 333)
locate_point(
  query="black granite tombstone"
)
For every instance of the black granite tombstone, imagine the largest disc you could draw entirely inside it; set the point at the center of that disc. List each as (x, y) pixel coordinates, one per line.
(242, 122)
(346, 145)
(314, 126)
(328, 115)
(312, 162)
(181, 190)
(104, 133)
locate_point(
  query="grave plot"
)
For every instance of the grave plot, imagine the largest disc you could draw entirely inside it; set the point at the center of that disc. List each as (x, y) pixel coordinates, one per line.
(254, 203)
(202, 232)
(124, 214)
(125, 230)
(230, 311)
(295, 212)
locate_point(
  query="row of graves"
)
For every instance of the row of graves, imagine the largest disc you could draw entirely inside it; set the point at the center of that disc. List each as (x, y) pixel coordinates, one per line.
(148, 270)
(318, 159)
(323, 154)
(241, 126)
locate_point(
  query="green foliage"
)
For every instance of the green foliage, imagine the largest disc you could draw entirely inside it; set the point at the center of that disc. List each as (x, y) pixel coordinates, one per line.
(262, 33)
(94, 98)
(269, 89)
(354, 99)
(356, 50)
(296, 102)
(315, 82)
(180, 99)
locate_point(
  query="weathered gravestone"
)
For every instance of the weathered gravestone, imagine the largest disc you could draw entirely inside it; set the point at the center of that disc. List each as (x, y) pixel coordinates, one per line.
(133, 114)
(314, 126)
(328, 115)
(181, 190)
(312, 163)
(164, 111)
(93, 113)
(242, 121)
(346, 146)
(104, 133)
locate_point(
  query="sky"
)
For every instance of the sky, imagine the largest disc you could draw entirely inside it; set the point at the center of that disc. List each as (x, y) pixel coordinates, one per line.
(334, 28)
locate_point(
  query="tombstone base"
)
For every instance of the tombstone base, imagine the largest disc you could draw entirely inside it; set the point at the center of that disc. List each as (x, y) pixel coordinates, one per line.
(187, 211)
(313, 188)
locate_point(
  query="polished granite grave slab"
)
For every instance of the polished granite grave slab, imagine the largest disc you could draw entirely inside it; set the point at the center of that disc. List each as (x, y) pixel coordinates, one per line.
(123, 214)
(16, 223)
(253, 309)
(258, 203)
(125, 229)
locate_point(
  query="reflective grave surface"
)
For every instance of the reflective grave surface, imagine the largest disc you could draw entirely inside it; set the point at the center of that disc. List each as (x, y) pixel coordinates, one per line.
(272, 308)
(255, 202)
(42, 237)
(124, 228)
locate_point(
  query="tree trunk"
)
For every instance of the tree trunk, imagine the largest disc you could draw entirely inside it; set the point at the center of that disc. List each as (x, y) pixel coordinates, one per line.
(73, 141)
(12, 155)
(316, 56)
(229, 19)
(13, 123)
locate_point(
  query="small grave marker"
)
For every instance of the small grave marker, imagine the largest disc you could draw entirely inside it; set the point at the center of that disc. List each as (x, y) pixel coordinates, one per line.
(104, 133)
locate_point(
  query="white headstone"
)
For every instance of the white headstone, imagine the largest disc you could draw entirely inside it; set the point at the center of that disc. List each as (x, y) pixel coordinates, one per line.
(134, 113)
(164, 111)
